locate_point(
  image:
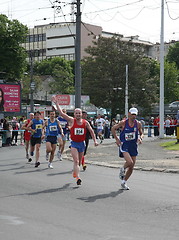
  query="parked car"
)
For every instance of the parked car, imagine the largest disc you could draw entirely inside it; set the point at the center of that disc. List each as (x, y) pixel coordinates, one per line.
(174, 106)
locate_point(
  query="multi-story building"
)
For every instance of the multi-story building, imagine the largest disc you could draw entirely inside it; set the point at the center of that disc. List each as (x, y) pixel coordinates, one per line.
(58, 39)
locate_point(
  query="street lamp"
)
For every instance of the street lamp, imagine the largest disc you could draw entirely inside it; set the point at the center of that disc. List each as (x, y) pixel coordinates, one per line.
(32, 84)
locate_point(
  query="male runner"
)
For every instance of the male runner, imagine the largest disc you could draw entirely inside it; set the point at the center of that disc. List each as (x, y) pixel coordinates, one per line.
(52, 126)
(27, 136)
(62, 137)
(100, 126)
(128, 144)
(36, 127)
(78, 128)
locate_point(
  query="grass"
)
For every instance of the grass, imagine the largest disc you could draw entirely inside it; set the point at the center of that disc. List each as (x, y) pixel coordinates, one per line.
(170, 145)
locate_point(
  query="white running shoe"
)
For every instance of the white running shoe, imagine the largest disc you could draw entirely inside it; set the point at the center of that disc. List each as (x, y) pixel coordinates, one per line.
(122, 173)
(61, 158)
(59, 155)
(50, 165)
(47, 156)
(124, 186)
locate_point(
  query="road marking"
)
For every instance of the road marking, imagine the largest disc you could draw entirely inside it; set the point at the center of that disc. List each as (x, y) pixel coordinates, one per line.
(11, 220)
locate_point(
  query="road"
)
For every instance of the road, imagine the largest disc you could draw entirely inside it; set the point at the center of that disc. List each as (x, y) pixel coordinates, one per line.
(46, 203)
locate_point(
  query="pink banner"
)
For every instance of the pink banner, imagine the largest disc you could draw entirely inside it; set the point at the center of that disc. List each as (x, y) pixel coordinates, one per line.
(10, 98)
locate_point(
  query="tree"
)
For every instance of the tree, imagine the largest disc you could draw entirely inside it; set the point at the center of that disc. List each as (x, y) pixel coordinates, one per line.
(13, 56)
(173, 54)
(103, 71)
(61, 70)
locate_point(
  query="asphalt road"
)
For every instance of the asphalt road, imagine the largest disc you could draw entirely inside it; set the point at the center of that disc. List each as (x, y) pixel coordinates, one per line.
(46, 203)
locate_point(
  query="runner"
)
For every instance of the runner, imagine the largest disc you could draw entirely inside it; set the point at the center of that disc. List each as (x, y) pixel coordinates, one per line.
(128, 144)
(100, 127)
(27, 136)
(36, 127)
(84, 116)
(62, 138)
(52, 125)
(78, 128)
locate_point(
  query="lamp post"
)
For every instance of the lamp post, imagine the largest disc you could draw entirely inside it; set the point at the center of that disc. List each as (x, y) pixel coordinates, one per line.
(32, 84)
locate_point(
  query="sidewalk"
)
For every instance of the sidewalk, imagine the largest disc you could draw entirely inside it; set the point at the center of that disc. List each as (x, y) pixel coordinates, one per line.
(152, 157)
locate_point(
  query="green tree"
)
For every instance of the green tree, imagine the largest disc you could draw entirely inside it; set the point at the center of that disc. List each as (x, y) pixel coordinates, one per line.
(12, 55)
(61, 70)
(171, 89)
(104, 71)
(173, 54)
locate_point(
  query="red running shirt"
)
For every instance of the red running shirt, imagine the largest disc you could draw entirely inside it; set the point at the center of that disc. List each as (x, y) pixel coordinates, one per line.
(78, 132)
(27, 134)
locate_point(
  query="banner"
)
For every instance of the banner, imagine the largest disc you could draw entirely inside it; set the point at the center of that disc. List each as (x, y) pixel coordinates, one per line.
(10, 98)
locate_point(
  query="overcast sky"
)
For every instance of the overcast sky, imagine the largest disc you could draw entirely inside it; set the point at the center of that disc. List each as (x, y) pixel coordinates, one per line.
(127, 17)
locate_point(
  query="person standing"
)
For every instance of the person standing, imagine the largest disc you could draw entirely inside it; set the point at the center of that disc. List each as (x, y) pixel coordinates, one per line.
(62, 137)
(15, 128)
(27, 136)
(77, 127)
(131, 134)
(52, 126)
(36, 127)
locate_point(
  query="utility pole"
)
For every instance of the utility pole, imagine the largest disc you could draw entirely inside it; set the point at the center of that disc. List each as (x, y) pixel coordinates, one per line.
(78, 58)
(161, 135)
(126, 92)
(32, 84)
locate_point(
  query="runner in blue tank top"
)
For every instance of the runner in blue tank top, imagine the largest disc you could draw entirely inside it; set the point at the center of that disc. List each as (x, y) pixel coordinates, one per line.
(36, 127)
(52, 126)
(131, 134)
(62, 138)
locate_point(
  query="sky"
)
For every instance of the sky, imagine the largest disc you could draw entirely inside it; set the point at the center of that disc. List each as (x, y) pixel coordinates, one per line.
(126, 17)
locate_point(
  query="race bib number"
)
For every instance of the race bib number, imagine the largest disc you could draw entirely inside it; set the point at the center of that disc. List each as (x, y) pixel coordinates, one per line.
(63, 124)
(38, 126)
(53, 128)
(129, 136)
(79, 131)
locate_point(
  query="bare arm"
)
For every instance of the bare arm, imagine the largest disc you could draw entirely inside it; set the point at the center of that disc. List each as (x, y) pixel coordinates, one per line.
(60, 127)
(140, 132)
(29, 127)
(64, 115)
(92, 133)
(113, 130)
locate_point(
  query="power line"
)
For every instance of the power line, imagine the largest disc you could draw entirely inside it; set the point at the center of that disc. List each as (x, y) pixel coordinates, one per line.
(169, 12)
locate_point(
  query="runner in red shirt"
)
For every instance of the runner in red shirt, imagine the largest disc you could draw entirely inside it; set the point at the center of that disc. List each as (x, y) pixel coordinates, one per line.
(27, 135)
(77, 127)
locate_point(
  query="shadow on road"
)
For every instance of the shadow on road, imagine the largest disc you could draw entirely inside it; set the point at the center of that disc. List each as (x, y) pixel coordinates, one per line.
(101, 196)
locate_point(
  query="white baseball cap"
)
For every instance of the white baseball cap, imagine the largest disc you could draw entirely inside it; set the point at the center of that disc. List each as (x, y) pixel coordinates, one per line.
(133, 111)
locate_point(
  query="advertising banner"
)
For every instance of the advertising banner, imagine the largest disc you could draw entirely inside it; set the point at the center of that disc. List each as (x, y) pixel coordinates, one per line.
(10, 98)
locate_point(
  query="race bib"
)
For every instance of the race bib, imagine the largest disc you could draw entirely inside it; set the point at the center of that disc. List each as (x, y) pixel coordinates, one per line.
(38, 126)
(79, 131)
(53, 128)
(63, 124)
(129, 136)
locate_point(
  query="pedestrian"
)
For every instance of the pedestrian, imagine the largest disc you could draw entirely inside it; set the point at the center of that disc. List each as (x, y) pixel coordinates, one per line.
(77, 127)
(100, 127)
(150, 125)
(106, 128)
(131, 134)
(156, 126)
(36, 127)
(15, 129)
(27, 136)
(52, 126)
(62, 138)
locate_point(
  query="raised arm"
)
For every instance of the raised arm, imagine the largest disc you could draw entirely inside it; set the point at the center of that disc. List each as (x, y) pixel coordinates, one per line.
(64, 115)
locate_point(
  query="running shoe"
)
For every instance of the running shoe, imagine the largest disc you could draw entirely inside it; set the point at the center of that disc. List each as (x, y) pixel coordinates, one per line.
(61, 158)
(84, 167)
(59, 155)
(78, 182)
(30, 160)
(122, 173)
(47, 156)
(124, 186)
(50, 165)
(27, 156)
(37, 164)
(31, 153)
